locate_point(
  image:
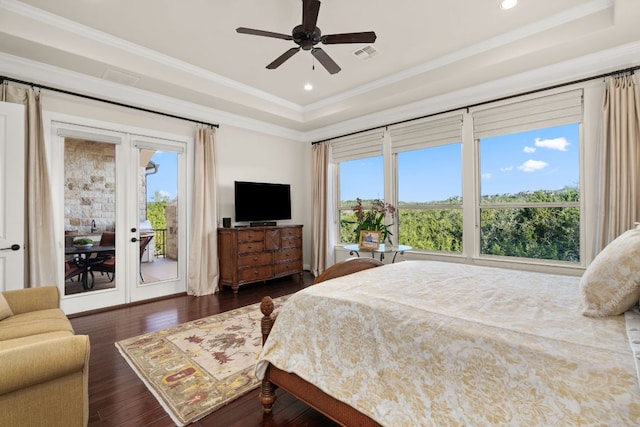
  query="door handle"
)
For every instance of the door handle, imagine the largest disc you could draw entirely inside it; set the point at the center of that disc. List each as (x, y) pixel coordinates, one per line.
(13, 247)
(133, 239)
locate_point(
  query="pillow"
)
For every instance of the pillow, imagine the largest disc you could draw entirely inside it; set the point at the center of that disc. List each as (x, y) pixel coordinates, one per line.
(611, 284)
(5, 310)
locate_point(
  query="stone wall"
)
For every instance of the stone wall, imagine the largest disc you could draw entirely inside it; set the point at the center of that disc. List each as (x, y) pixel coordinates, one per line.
(171, 214)
(90, 186)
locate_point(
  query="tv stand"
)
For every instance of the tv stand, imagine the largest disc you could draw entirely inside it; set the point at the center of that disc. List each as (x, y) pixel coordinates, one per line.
(257, 254)
(262, 224)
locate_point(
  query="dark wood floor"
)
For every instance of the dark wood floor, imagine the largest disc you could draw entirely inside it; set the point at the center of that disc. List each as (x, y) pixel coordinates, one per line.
(117, 397)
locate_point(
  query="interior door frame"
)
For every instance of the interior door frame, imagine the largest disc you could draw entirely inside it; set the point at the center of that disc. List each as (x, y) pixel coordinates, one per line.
(12, 193)
(57, 127)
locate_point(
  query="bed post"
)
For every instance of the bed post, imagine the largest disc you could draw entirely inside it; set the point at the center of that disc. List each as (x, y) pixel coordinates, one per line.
(267, 389)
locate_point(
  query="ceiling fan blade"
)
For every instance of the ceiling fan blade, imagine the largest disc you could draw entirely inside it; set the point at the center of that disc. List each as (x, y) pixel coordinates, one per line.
(279, 60)
(310, 10)
(364, 37)
(325, 60)
(243, 30)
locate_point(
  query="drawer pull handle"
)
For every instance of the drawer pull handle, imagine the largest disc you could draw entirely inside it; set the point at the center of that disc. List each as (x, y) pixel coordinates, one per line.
(255, 258)
(249, 247)
(255, 273)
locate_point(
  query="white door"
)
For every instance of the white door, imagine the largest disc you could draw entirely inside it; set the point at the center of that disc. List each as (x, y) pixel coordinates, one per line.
(12, 174)
(159, 193)
(106, 195)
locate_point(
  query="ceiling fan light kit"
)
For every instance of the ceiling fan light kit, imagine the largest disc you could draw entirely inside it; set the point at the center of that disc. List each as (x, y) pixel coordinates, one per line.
(307, 35)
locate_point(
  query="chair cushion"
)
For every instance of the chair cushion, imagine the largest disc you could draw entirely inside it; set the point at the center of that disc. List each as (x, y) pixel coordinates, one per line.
(5, 310)
(35, 322)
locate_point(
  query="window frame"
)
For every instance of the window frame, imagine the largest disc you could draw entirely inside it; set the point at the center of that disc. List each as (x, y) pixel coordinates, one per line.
(587, 158)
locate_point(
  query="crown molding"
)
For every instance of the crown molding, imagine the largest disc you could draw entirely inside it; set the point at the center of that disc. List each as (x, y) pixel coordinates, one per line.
(573, 14)
(620, 57)
(103, 38)
(46, 18)
(37, 72)
(623, 56)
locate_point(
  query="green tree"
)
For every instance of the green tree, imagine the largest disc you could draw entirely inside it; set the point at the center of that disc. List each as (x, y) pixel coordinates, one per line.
(156, 210)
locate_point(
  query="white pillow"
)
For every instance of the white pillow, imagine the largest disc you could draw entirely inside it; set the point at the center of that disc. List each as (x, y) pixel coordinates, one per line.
(611, 284)
(5, 310)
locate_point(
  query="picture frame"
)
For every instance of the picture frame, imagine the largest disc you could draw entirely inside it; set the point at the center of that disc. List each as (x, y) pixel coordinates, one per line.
(369, 240)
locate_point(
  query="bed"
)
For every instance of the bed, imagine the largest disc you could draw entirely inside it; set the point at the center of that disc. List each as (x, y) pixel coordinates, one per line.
(421, 343)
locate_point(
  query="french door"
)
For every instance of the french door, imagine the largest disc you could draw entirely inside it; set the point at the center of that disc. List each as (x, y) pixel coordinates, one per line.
(123, 193)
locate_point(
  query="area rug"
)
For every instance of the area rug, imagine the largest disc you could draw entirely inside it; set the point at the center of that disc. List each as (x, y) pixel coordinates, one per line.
(197, 367)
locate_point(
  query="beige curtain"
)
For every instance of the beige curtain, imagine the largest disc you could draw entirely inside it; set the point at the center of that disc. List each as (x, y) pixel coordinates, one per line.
(40, 251)
(203, 253)
(321, 247)
(620, 168)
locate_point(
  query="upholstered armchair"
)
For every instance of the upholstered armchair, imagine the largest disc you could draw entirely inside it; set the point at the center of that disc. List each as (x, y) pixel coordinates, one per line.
(44, 366)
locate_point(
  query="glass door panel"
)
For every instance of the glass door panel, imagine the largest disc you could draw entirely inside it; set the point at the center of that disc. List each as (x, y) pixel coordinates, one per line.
(158, 202)
(89, 216)
(160, 218)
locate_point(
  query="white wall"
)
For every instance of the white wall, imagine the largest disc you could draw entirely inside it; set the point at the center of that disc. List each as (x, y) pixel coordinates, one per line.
(244, 155)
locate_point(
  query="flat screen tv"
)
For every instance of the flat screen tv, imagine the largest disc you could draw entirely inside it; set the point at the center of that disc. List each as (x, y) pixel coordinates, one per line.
(262, 202)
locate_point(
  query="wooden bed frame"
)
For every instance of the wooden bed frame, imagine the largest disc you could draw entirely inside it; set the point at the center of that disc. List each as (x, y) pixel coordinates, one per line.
(334, 409)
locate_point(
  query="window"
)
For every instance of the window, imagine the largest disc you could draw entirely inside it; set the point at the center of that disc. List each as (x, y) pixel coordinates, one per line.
(507, 173)
(361, 175)
(530, 196)
(529, 168)
(430, 198)
(361, 178)
(429, 182)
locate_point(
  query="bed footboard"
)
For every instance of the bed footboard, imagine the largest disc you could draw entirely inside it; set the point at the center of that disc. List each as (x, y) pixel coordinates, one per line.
(296, 386)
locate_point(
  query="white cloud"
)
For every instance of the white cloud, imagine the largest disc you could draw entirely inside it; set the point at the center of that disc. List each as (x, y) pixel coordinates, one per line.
(164, 193)
(533, 165)
(507, 169)
(559, 144)
(528, 149)
(486, 176)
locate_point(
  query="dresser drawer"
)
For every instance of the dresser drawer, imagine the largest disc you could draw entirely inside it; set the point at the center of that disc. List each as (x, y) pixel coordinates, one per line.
(251, 274)
(288, 254)
(250, 247)
(255, 259)
(288, 267)
(293, 242)
(291, 232)
(250, 235)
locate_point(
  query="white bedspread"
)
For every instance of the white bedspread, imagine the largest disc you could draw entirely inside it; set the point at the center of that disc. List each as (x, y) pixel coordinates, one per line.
(422, 343)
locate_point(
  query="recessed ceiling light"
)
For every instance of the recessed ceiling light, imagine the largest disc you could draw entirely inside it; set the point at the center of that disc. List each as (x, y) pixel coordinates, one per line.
(308, 86)
(508, 4)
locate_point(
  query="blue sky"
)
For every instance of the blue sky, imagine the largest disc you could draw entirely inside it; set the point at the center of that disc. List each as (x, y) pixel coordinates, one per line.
(543, 159)
(165, 181)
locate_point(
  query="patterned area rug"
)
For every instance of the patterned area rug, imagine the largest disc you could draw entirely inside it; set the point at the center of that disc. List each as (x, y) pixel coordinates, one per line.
(197, 367)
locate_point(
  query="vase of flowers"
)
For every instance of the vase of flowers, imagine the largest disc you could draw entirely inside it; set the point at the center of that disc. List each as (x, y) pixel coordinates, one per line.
(373, 218)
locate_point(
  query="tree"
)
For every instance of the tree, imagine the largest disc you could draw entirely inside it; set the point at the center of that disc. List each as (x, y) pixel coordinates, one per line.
(155, 210)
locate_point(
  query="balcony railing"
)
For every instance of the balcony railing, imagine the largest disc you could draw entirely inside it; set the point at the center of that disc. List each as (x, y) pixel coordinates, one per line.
(160, 239)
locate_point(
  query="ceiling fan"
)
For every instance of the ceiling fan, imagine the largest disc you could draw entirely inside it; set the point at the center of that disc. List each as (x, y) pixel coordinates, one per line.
(307, 35)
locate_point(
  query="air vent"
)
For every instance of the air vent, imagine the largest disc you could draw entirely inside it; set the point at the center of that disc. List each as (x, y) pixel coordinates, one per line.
(366, 52)
(120, 77)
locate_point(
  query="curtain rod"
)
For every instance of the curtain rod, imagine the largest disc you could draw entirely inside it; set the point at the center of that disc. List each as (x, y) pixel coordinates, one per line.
(586, 79)
(93, 98)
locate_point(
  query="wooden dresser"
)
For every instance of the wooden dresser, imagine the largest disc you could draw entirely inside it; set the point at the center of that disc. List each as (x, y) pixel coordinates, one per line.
(254, 254)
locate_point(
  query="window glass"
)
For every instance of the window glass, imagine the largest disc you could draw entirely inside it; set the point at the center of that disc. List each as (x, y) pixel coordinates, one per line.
(430, 198)
(530, 194)
(360, 178)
